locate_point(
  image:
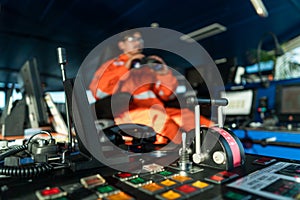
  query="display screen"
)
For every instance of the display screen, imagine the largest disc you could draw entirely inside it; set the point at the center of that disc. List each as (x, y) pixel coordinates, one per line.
(30, 81)
(288, 102)
(239, 102)
(288, 65)
(264, 67)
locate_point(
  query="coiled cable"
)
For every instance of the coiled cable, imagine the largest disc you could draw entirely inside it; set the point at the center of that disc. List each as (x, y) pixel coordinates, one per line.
(24, 171)
(13, 151)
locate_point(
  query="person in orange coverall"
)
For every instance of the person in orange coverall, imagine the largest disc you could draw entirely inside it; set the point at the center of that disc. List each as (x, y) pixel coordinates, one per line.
(149, 88)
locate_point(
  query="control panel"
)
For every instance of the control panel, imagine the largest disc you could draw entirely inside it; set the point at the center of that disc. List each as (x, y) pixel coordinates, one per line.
(259, 178)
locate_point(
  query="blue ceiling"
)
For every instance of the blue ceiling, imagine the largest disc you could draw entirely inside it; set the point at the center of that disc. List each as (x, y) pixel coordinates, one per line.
(35, 28)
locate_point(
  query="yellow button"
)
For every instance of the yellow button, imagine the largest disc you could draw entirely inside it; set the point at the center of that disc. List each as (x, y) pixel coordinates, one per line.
(200, 184)
(168, 182)
(118, 196)
(152, 187)
(181, 179)
(171, 195)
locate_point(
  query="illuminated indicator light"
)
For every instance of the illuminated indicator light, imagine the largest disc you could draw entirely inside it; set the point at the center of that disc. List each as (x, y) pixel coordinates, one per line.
(171, 195)
(124, 175)
(138, 180)
(152, 187)
(106, 189)
(186, 189)
(118, 196)
(226, 173)
(50, 192)
(216, 178)
(200, 184)
(182, 179)
(166, 173)
(92, 181)
(168, 182)
(262, 109)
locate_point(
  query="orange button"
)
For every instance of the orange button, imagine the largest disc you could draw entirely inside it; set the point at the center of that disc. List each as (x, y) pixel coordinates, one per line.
(171, 195)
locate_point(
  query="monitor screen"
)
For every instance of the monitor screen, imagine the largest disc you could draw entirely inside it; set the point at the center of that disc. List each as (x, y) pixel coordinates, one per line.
(31, 83)
(265, 67)
(2, 99)
(288, 65)
(239, 102)
(288, 102)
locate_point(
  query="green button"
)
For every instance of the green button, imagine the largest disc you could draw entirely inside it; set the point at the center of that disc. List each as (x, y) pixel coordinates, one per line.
(166, 173)
(105, 189)
(138, 180)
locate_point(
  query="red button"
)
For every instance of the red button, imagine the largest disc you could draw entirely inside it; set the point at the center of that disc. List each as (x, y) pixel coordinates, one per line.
(124, 175)
(186, 189)
(51, 191)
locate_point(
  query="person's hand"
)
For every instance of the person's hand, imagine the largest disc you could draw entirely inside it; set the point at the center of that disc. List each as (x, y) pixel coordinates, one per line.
(138, 56)
(164, 70)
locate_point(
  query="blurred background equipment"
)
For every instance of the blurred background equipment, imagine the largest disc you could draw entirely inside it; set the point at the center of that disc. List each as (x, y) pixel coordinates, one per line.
(31, 110)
